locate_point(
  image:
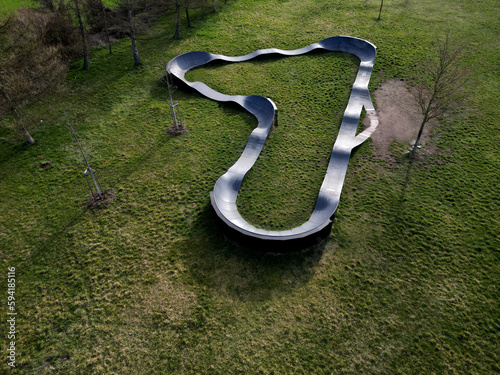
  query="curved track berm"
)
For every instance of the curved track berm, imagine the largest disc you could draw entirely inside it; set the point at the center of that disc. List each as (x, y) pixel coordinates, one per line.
(226, 189)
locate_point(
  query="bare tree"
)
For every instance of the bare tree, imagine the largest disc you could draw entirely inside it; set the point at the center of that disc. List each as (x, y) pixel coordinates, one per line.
(178, 23)
(133, 18)
(86, 61)
(106, 26)
(12, 107)
(440, 82)
(98, 193)
(380, 11)
(135, 51)
(128, 9)
(99, 19)
(187, 14)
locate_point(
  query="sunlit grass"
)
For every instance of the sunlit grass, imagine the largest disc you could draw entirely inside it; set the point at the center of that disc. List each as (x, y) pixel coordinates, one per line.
(8, 6)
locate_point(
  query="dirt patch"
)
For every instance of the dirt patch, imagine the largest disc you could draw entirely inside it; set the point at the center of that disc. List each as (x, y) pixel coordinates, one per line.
(399, 118)
(175, 132)
(102, 201)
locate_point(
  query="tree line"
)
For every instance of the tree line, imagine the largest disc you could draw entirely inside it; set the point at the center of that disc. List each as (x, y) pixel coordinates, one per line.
(38, 44)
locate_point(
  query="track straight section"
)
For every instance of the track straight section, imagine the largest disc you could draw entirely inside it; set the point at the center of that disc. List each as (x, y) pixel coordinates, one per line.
(226, 189)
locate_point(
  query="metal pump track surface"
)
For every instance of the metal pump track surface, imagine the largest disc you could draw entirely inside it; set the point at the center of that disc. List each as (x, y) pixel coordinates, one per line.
(226, 189)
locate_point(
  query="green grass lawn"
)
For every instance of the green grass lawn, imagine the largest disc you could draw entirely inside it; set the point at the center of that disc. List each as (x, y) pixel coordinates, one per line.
(407, 281)
(7, 6)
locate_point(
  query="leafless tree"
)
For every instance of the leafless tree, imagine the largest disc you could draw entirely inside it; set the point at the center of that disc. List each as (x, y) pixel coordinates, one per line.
(20, 125)
(106, 26)
(380, 11)
(135, 51)
(178, 23)
(128, 9)
(83, 34)
(440, 82)
(187, 14)
(100, 19)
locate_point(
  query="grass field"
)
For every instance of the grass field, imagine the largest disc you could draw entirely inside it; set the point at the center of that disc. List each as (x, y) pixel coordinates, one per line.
(7, 6)
(406, 282)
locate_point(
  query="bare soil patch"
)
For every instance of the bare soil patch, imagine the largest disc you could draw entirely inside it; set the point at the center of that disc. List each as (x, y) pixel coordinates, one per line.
(97, 202)
(399, 118)
(175, 132)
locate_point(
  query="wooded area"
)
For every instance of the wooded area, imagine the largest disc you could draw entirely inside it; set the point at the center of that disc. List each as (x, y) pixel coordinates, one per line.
(37, 45)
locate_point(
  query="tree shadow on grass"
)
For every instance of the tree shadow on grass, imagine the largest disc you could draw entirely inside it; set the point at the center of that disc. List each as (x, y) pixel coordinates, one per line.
(238, 269)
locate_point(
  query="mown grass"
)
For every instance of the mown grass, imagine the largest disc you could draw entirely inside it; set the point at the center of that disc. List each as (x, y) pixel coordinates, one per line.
(405, 283)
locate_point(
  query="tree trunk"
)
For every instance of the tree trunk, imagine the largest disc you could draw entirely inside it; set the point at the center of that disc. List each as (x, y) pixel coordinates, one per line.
(203, 9)
(135, 52)
(215, 9)
(86, 62)
(187, 13)
(109, 42)
(178, 25)
(415, 146)
(27, 136)
(106, 27)
(380, 11)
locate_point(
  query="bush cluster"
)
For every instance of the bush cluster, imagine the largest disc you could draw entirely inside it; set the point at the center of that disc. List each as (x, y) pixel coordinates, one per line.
(35, 51)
